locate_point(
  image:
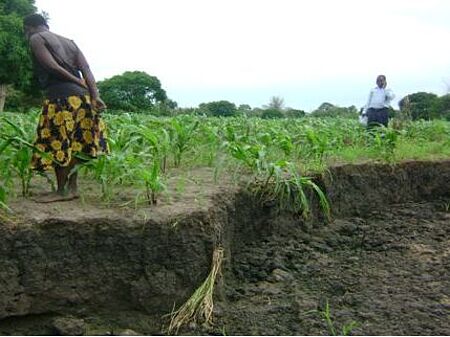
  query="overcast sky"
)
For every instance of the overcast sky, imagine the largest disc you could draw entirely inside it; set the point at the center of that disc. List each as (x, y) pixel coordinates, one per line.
(246, 51)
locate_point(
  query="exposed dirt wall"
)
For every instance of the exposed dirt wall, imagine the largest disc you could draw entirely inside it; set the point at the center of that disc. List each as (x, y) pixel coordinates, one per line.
(79, 260)
(57, 266)
(357, 189)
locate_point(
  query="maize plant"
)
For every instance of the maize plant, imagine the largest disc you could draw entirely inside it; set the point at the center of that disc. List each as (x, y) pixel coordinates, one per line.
(285, 187)
(384, 141)
(16, 140)
(181, 134)
(3, 196)
(153, 182)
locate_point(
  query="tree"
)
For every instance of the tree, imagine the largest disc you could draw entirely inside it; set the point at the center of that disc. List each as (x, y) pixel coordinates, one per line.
(325, 107)
(276, 109)
(442, 107)
(166, 108)
(294, 113)
(255, 112)
(22, 100)
(15, 60)
(272, 113)
(276, 103)
(330, 110)
(422, 105)
(244, 107)
(219, 108)
(244, 110)
(132, 91)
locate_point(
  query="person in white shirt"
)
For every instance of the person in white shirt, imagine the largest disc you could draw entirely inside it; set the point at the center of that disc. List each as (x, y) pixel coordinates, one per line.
(377, 107)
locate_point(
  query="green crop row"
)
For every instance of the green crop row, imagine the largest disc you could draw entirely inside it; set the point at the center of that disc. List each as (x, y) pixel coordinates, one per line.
(277, 155)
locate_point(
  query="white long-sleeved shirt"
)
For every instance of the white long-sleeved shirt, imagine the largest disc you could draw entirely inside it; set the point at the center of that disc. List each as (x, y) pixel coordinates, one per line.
(379, 98)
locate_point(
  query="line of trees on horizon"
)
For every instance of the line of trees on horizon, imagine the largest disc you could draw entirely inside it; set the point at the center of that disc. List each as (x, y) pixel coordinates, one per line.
(139, 92)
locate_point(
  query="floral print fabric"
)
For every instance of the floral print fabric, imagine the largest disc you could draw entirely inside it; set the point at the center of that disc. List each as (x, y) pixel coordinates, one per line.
(66, 127)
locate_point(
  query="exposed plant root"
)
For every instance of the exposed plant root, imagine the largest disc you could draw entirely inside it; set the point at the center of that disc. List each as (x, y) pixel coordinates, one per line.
(199, 307)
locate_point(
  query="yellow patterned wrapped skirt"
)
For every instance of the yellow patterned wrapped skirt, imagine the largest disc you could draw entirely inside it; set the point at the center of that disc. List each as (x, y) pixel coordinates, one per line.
(68, 126)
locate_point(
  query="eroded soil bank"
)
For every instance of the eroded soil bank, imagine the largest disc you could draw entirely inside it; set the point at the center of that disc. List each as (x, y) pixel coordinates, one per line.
(383, 262)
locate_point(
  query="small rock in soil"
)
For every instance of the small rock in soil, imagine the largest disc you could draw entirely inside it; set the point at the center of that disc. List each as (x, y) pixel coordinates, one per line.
(69, 326)
(127, 332)
(337, 288)
(279, 275)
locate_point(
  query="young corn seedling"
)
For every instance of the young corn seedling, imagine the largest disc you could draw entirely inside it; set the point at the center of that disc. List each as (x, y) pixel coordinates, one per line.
(325, 314)
(318, 143)
(16, 141)
(181, 135)
(107, 170)
(289, 190)
(211, 147)
(285, 143)
(384, 142)
(3, 197)
(252, 156)
(21, 164)
(153, 182)
(158, 143)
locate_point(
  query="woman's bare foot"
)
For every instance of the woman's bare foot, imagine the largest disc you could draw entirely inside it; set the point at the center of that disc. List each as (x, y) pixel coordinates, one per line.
(56, 197)
(74, 194)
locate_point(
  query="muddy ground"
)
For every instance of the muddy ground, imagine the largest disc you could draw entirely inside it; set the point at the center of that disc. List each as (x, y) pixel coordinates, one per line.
(381, 265)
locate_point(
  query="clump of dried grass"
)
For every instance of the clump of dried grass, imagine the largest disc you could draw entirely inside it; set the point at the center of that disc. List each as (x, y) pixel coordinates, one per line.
(199, 307)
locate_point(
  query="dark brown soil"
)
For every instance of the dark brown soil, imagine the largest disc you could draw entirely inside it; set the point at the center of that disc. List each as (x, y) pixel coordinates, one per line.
(382, 262)
(389, 273)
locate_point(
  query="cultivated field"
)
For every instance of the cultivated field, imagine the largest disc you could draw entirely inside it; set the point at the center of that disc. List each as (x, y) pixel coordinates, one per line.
(146, 152)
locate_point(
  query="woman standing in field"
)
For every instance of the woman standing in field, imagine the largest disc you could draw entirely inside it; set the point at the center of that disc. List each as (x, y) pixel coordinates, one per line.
(70, 123)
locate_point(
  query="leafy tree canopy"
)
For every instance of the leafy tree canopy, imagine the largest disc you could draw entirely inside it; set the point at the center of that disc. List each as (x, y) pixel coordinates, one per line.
(244, 107)
(294, 113)
(132, 91)
(443, 107)
(276, 103)
(324, 107)
(219, 108)
(330, 110)
(19, 7)
(14, 56)
(272, 113)
(421, 105)
(15, 60)
(14, 53)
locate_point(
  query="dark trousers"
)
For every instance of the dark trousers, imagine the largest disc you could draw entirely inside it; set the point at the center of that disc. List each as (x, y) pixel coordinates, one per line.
(375, 117)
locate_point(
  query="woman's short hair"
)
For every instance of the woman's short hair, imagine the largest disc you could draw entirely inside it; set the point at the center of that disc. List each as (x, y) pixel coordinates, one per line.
(35, 20)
